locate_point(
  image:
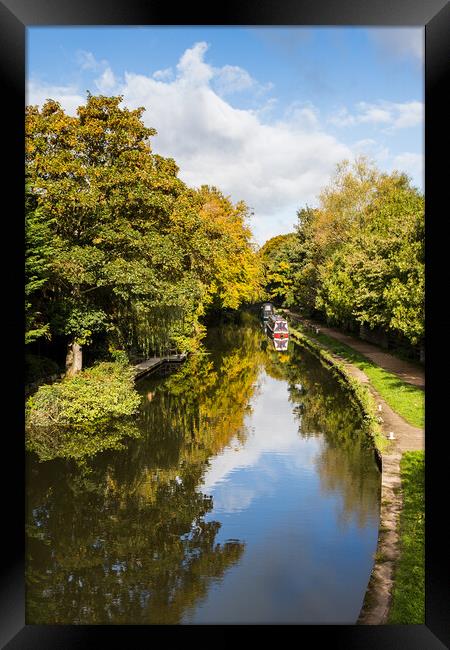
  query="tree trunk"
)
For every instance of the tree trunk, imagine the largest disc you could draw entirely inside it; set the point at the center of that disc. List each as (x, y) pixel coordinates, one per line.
(74, 359)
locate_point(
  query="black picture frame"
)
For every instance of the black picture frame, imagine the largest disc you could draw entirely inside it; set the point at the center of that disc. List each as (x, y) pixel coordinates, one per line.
(15, 17)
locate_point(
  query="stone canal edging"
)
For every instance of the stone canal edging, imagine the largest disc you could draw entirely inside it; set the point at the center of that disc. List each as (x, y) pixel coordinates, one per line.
(377, 600)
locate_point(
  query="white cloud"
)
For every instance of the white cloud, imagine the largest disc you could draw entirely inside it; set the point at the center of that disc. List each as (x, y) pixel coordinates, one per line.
(412, 164)
(388, 114)
(342, 118)
(167, 73)
(68, 96)
(192, 69)
(86, 60)
(274, 166)
(232, 78)
(365, 143)
(106, 82)
(408, 114)
(303, 115)
(373, 150)
(266, 109)
(374, 114)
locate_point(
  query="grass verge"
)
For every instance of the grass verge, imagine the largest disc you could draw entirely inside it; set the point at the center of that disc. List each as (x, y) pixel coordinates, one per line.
(406, 400)
(408, 597)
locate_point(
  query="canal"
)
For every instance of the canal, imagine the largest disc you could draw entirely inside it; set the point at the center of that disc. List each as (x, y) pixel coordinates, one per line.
(248, 493)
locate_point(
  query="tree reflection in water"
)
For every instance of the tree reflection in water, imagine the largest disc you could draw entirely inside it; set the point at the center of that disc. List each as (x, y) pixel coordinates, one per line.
(324, 409)
(123, 539)
(99, 553)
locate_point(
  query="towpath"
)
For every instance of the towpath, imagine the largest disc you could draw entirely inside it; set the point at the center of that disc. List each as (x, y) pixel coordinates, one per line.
(409, 372)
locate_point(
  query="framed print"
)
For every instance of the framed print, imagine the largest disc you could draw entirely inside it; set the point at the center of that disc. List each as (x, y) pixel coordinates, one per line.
(210, 110)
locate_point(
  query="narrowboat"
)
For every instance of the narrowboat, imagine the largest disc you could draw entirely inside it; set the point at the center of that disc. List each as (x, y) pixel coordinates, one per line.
(281, 345)
(277, 327)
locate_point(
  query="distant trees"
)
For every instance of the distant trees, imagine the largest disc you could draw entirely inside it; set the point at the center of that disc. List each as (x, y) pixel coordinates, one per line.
(358, 258)
(117, 244)
(280, 257)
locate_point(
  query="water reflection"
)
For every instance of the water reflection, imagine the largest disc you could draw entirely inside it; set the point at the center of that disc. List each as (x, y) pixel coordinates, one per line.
(240, 500)
(117, 557)
(281, 345)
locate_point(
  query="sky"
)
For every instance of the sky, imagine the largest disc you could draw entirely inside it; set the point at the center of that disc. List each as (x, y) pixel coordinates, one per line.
(262, 113)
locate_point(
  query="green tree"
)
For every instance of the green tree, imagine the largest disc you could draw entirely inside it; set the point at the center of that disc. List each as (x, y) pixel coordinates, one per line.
(377, 277)
(279, 256)
(38, 258)
(361, 253)
(92, 181)
(219, 248)
(135, 254)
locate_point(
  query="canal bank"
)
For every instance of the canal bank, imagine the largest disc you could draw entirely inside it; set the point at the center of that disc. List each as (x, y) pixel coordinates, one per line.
(391, 436)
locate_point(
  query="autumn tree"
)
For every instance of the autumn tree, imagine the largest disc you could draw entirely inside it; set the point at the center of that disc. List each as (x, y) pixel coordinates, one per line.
(357, 259)
(91, 176)
(376, 276)
(132, 252)
(364, 252)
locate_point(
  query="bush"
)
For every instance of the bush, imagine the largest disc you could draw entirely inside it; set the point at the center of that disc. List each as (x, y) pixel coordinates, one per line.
(97, 394)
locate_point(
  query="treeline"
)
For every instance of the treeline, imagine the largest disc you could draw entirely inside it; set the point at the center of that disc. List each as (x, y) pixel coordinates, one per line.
(123, 255)
(357, 260)
(120, 253)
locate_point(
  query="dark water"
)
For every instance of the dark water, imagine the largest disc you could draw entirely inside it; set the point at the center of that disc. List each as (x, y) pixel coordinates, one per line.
(251, 496)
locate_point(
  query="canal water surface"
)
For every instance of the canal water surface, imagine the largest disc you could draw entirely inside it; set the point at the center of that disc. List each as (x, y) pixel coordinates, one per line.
(248, 493)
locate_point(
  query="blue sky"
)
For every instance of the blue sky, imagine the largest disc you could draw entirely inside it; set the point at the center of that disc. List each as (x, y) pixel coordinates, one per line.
(263, 113)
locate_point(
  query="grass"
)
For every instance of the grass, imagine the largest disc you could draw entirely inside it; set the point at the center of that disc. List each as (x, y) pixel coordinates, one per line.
(406, 400)
(408, 598)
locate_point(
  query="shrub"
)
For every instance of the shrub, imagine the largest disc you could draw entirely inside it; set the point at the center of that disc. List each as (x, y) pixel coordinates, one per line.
(97, 394)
